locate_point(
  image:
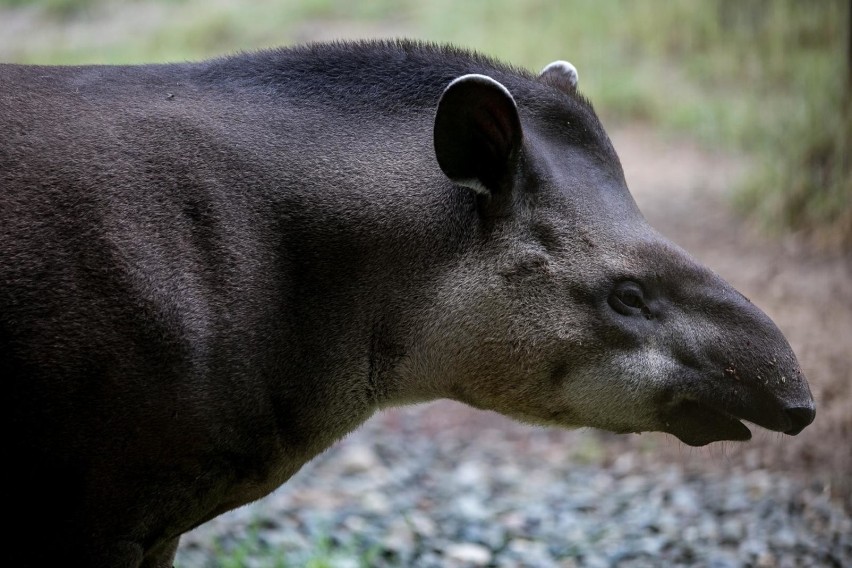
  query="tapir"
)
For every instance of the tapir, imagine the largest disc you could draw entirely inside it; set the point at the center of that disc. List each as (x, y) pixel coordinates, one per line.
(212, 271)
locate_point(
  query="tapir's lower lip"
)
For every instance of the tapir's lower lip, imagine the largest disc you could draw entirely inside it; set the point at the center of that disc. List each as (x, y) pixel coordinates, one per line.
(698, 424)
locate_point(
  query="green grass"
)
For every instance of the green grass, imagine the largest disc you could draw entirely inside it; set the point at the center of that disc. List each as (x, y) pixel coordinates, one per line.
(709, 66)
(247, 547)
(806, 182)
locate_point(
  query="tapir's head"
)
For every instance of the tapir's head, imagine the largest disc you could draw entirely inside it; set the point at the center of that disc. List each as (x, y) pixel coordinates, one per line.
(568, 308)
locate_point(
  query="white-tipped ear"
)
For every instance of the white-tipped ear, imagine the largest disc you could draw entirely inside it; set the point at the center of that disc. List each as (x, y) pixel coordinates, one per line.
(477, 133)
(560, 72)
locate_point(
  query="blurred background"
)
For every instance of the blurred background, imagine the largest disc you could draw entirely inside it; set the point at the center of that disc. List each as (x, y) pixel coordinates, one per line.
(734, 124)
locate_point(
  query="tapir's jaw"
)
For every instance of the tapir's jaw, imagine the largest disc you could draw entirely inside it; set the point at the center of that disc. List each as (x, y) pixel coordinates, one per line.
(699, 423)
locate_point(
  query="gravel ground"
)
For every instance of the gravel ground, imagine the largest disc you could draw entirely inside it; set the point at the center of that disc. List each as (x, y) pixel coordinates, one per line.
(423, 487)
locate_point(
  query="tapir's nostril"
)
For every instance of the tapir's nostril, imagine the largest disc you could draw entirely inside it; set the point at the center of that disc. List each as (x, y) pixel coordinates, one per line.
(799, 418)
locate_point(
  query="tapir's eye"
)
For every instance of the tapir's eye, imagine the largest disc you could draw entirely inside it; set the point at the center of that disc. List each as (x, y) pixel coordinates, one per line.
(627, 299)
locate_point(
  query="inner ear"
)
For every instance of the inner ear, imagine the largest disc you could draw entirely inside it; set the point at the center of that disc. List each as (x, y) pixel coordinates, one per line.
(477, 133)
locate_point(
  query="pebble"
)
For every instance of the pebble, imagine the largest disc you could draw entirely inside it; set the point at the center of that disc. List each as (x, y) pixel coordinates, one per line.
(468, 553)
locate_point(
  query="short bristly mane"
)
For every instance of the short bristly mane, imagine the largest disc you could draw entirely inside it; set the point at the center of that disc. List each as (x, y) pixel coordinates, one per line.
(388, 71)
(392, 75)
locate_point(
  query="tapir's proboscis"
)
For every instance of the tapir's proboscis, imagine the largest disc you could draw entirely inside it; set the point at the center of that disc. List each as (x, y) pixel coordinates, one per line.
(210, 272)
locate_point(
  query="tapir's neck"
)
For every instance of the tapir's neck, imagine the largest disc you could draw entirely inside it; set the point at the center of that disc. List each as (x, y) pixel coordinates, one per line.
(358, 274)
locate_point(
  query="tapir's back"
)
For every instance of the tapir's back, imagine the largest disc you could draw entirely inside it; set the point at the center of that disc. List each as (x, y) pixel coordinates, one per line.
(160, 192)
(104, 198)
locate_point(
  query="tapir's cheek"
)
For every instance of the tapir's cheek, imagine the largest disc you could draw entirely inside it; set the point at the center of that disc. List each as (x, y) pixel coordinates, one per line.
(599, 390)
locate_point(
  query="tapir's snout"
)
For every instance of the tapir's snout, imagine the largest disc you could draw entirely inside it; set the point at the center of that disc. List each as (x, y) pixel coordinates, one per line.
(800, 417)
(740, 367)
(714, 358)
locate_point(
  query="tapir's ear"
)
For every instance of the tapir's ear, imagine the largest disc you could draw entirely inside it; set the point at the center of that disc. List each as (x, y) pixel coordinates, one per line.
(477, 133)
(561, 75)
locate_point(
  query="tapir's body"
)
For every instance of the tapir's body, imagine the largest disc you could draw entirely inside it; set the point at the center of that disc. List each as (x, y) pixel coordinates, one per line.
(210, 272)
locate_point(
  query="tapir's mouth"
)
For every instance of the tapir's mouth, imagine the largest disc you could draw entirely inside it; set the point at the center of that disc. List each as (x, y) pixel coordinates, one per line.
(698, 423)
